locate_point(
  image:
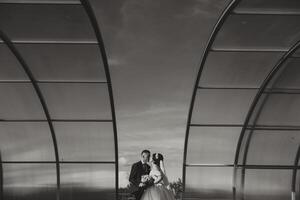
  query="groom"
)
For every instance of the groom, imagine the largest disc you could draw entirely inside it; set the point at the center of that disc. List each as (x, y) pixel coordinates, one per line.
(139, 169)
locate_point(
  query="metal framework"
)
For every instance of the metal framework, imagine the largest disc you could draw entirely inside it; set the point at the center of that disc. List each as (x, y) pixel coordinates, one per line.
(11, 44)
(1, 178)
(256, 99)
(95, 25)
(229, 10)
(294, 179)
(207, 49)
(36, 87)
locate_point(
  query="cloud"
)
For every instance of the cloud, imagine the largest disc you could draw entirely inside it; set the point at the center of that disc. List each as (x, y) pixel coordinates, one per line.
(123, 161)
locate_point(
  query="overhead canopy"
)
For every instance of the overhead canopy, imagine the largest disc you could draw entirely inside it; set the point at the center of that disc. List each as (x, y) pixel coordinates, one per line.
(243, 133)
(58, 138)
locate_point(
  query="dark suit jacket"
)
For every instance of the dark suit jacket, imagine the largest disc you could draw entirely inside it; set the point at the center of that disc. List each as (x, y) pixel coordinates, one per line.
(137, 171)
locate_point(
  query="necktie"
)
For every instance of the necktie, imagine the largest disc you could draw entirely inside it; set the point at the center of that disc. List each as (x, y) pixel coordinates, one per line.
(145, 167)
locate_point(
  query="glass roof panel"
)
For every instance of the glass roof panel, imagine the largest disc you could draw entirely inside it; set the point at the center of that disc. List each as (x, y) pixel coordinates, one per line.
(85, 141)
(87, 181)
(212, 145)
(269, 6)
(276, 32)
(209, 182)
(10, 68)
(273, 147)
(17, 143)
(77, 100)
(55, 23)
(269, 184)
(289, 78)
(280, 110)
(61, 62)
(216, 106)
(19, 101)
(237, 69)
(29, 181)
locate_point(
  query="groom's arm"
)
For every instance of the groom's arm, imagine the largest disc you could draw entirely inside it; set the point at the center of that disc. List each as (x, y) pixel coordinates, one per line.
(133, 176)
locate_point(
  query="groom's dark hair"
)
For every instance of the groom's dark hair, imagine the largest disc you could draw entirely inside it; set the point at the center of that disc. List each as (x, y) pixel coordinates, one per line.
(146, 151)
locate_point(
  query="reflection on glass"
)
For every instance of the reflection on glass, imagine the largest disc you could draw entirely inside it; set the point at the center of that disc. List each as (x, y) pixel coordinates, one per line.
(77, 100)
(268, 184)
(26, 141)
(59, 62)
(276, 32)
(218, 106)
(85, 141)
(54, 22)
(88, 181)
(237, 69)
(10, 67)
(209, 183)
(273, 147)
(29, 181)
(212, 145)
(19, 102)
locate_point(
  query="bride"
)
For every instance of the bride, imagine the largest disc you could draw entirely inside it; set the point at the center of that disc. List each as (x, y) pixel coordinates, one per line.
(160, 189)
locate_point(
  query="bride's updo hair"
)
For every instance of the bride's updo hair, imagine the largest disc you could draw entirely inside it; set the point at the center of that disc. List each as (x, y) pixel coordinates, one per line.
(157, 157)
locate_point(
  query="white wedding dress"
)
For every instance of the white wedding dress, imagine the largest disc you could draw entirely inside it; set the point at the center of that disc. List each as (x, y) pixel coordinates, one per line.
(159, 191)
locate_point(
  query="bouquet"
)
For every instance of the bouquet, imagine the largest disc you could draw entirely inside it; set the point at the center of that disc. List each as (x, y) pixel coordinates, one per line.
(147, 180)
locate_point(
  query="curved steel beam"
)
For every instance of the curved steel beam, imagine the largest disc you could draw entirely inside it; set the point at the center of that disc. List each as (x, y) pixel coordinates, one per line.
(249, 137)
(248, 141)
(256, 99)
(1, 178)
(253, 125)
(226, 12)
(37, 89)
(90, 12)
(294, 177)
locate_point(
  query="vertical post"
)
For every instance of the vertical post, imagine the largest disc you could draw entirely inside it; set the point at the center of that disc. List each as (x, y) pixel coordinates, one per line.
(39, 94)
(1, 178)
(92, 17)
(226, 12)
(294, 177)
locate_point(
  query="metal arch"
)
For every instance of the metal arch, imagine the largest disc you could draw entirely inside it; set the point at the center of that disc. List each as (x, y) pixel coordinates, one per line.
(262, 88)
(1, 177)
(249, 138)
(248, 141)
(226, 12)
(36, 87)
(89, 10)
(294, 177)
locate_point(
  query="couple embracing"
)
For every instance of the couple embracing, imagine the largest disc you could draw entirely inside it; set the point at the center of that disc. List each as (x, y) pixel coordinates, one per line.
(149, 178)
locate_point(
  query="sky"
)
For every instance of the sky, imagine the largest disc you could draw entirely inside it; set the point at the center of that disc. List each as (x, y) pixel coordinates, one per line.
(154, 49)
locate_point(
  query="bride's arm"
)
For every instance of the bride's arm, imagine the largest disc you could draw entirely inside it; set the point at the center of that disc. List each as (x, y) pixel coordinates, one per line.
(157, 178)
